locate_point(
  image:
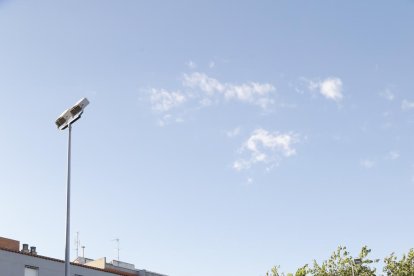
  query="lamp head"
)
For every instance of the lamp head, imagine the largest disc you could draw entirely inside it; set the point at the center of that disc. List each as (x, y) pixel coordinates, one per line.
(72, 114)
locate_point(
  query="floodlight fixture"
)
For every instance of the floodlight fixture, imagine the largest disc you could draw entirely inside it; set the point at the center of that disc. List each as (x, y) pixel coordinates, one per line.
(357, 261)
(72, 114)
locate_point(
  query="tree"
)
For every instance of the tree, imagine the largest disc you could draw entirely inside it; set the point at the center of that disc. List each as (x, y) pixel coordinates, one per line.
(303, 271)
(274, 271)
(403, 267)
(341, 263)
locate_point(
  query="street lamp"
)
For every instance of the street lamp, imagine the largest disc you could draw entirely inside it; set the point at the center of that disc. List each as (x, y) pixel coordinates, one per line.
(65, 120)
(357, 262)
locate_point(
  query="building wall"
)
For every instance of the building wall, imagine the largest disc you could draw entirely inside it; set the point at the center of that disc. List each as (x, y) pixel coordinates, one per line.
(13, 264)
(148, 273)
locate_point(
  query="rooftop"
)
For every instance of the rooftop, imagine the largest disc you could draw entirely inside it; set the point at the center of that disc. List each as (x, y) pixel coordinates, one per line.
(115, 267)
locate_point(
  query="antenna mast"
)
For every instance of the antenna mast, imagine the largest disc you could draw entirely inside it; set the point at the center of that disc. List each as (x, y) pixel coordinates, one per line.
(77, 244)
(117, 246)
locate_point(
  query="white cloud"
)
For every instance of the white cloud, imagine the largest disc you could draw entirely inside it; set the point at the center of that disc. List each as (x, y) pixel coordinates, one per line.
(241, 164)
(387, 94)
(233, 132)
(367, 163)
(164, 120)
(167, 119)
(313, 85)
(393, 155)
(281, 142)
(206, 102)
(203, 82)
(387, 114)
(198, 90)
(247, 92)
(330, 88)
(163, 100)
(265, 147)
(407, 105)
(191, 64)
(253, 92)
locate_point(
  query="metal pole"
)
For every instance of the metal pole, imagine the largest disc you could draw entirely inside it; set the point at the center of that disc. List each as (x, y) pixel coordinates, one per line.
(352, 270)
(67, 251)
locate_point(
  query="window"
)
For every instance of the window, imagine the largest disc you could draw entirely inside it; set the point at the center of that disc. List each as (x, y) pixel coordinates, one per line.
(31, 271)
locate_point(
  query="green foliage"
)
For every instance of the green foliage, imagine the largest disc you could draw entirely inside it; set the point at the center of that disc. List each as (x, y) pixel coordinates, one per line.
(274, 271)
(403, 267)
(303, 271)
(341, 263)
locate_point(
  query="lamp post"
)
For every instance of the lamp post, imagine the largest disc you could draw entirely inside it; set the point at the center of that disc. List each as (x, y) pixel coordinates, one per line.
(65, 120)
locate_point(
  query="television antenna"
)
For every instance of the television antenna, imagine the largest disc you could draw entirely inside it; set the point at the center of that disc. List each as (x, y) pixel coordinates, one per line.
(117, 247)
(77, 244)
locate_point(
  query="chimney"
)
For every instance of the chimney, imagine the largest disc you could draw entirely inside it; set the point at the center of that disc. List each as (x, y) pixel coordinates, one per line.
(9, 244)
(33, 250)
(25, 248)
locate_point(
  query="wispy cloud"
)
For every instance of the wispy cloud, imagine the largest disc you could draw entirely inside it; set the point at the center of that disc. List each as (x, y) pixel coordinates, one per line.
(167, 118)
(265, 147)
(163, 100)
(191, 64)
(367, 163)
(393, 155)
(407, 105)
(388, 94)
(202, 82)
(233, 132)
(198, 90)
(252, 92)
(330, 88)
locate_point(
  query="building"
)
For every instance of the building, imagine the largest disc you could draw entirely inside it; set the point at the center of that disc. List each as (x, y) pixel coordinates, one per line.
(24, 261)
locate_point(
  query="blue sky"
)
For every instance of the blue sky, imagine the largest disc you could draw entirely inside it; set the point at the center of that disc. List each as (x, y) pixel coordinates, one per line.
(222, 137)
